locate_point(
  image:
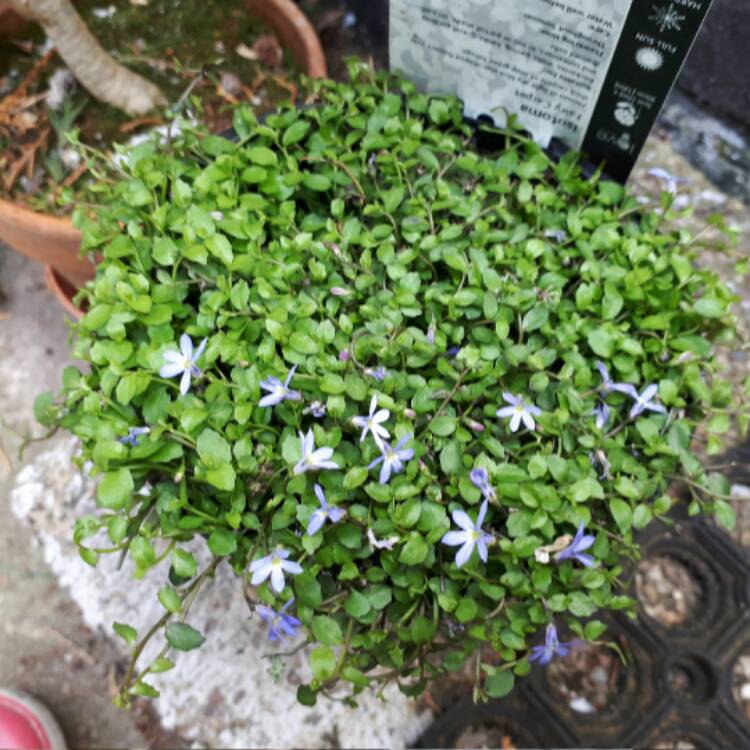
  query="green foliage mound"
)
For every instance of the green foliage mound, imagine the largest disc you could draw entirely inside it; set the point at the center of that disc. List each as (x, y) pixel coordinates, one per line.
(364, 241)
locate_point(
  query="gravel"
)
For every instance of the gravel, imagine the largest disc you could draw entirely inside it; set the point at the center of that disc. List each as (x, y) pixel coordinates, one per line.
(667, 590)
(590, 679)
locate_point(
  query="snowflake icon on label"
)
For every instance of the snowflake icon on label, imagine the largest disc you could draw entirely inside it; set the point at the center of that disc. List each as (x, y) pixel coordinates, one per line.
(649, 58)
(626, 114)
(667, 18)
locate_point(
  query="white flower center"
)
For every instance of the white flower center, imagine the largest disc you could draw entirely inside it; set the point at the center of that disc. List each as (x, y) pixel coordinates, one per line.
(474, 535)
(186, 363)
(519, 408)
(276, 562)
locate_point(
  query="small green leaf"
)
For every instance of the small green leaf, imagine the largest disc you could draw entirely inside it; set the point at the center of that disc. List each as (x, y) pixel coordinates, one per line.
(295, 132)
(581, 605)
(622, 514)
(709, 308)
(602, 343)
(535, 318)
(161, 664)
(357, 605)
(262, 156)
(583, 489)
(43, 408)
(379, 596)
(115, 489)
(170, 599)
(443, 426)
(303, 343)
(213, 449)
(725, 514)
(164, 251)
(451, 458)
(222, 542)
(322, 663)
(221, 477)
(306, 696)
(422, 630)
(326, 630)
(184, 564)
(183, 637)
(126, 632)
(220, 246)
(144, 689)
(307, 589)
(355, 477)
(466, 610)
(332, 383)
(414, 551)
(593, 630)
(499, 684)
(316, 182)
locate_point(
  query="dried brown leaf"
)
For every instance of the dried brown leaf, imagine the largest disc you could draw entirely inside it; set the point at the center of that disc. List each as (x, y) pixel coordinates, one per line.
(26, 160)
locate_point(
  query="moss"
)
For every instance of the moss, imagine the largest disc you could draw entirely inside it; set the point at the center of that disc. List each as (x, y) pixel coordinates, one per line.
(169, 42)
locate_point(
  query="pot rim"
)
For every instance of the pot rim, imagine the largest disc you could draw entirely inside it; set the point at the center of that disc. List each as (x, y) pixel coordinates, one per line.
(63, 291)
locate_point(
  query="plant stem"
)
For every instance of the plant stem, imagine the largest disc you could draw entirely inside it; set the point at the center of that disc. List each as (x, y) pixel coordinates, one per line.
(161, 622)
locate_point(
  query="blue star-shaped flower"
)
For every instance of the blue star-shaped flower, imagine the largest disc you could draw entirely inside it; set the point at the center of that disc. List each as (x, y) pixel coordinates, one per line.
(471, 535)
(551, 648)
(575, 550)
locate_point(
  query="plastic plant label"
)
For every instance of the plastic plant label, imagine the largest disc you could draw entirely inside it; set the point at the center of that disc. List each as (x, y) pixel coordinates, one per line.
(592, 73)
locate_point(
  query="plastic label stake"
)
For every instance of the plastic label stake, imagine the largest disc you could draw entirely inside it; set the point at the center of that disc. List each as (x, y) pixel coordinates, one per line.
(591, 73)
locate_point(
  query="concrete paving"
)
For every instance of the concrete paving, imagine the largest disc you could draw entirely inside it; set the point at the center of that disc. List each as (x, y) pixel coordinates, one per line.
(45, 647)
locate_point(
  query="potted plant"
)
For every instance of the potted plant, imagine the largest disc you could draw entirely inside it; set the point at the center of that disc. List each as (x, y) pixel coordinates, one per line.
(418, 397)
(53, 239)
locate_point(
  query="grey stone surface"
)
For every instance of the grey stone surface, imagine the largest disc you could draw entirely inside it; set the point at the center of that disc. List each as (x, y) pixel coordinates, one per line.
(721, 152)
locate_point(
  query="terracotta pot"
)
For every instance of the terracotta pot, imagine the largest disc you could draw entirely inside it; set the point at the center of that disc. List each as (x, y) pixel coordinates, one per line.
(55, 241)
(10, 22)
(63, 290)
(295, 32)
(47, 239)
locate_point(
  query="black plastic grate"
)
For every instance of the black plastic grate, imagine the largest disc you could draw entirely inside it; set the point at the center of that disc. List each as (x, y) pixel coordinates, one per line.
(676, 690)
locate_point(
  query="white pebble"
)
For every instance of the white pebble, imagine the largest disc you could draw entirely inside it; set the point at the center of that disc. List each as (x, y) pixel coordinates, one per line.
(582, 706)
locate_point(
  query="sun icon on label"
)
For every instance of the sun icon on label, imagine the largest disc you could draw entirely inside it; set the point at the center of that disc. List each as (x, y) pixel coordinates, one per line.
(649, 58)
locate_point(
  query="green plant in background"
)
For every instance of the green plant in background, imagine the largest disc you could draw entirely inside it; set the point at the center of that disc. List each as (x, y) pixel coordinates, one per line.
(390, 378)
